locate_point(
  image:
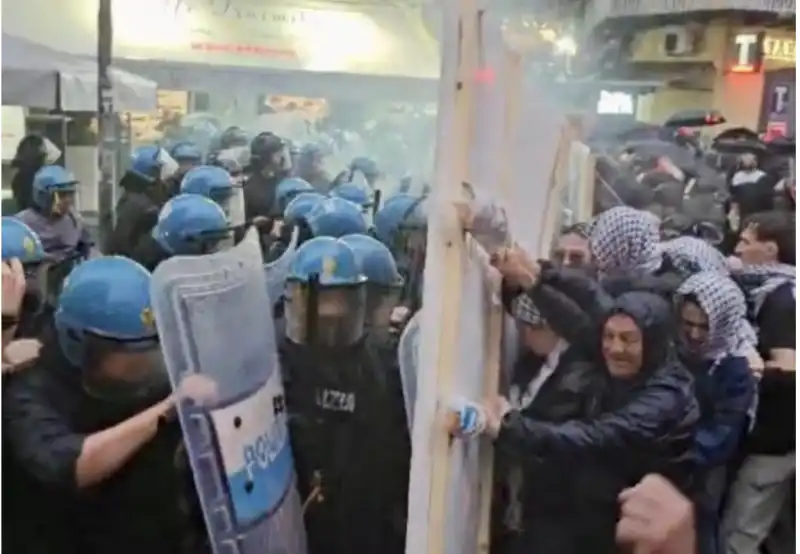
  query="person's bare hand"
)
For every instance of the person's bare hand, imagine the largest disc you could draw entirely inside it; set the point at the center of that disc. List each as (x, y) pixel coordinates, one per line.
(20, 354)
(13, 287)
(656, 518)
(515, 266)
(755, 362)
(495, 408)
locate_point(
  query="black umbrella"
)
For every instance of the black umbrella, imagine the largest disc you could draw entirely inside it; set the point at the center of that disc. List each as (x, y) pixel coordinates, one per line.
(739, 146)
(737, 133)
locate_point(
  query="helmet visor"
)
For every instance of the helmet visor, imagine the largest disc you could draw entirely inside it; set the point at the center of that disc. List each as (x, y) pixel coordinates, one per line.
(324, 316)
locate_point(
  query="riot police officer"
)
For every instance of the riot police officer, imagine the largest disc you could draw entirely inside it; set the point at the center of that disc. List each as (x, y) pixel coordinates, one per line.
(188, 156)
(295, 218)
(144, 192)
(337, 399)
(402, 225)
(32, 317)
(188, 225)
(92, 422)
(358, 195)
(51, 217)
(270, 163)
(336, 217)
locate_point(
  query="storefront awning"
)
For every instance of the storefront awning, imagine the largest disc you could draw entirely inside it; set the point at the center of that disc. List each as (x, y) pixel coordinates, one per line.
(35, 76)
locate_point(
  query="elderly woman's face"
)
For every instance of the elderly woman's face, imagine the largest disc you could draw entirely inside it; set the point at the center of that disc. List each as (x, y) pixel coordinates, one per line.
(571, 251)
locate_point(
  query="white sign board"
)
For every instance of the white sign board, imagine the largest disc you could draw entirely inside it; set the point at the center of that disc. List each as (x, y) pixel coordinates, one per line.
(12, 124)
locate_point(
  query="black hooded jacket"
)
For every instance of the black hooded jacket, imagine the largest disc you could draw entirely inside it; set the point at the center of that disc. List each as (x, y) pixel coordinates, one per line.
(631, 428)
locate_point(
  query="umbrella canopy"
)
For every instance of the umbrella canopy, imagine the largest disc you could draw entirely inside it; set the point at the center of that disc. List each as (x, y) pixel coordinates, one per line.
(39, 77)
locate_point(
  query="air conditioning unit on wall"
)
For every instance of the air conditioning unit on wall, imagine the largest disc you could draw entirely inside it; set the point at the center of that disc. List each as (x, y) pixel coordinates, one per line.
(682, 41)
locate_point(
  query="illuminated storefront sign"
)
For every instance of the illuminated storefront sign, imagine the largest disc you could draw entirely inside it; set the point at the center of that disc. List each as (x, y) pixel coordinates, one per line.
(750, 50)
(615, 102)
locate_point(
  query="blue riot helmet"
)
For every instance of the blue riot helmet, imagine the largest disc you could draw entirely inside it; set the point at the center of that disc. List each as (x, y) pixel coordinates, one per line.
(288, 189)
(402, 225)
(54, 190)
(217, 184)
(21, 242)
(355, 194)
(191, 225)
(152, 164)
(301, 205)
(325, 297)
(187, 155)
(336, 217)
(105, 326)
(384, 282)
(401, 215)
(296, 213)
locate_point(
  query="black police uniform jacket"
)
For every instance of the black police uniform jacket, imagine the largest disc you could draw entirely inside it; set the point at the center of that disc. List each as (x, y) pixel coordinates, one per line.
(46, 415)
(347, 447)
(137, 213)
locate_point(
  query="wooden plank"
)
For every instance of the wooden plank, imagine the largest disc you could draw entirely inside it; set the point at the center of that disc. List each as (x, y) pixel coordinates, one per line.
(511, 85)
(441, 305)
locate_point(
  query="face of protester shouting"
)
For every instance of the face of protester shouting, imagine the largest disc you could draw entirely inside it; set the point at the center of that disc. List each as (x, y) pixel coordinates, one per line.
(623, 346)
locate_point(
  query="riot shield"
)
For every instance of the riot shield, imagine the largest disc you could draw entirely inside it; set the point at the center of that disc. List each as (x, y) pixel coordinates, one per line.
(408, 358)
(215, 324)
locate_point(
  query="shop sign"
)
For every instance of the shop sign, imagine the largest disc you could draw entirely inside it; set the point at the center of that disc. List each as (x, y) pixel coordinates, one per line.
(780, 49)
(779, 103)
(747, 52)
(751, 49)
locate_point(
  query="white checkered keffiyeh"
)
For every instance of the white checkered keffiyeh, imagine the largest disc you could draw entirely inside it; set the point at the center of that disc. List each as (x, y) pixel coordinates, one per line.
(624, 238)
(524, 310)
(775, 275)
(693, 254)
(723, 302)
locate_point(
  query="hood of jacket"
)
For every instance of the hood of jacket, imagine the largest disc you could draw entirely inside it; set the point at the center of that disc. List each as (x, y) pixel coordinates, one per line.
(654, 317)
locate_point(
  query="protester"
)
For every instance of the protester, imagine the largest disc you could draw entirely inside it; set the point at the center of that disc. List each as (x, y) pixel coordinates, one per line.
(710, 307)
(762, 483)
(640, 418)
